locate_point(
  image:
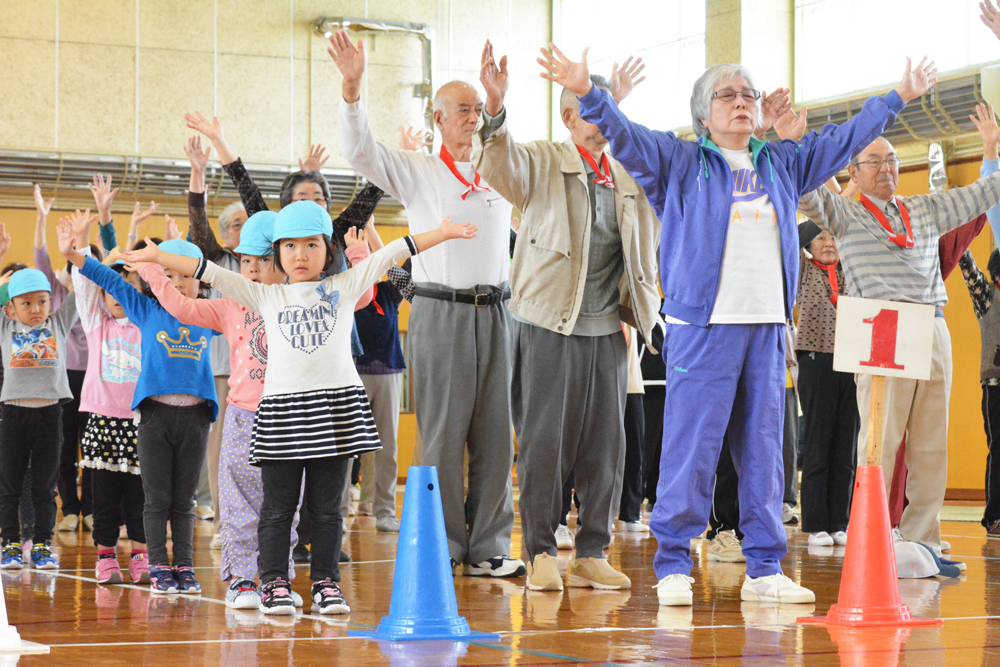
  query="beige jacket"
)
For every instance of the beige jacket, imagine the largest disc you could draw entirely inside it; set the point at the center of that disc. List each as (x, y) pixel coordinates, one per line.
(547, 182)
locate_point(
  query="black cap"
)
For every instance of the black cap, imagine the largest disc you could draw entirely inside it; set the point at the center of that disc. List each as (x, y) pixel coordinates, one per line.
(808, 230)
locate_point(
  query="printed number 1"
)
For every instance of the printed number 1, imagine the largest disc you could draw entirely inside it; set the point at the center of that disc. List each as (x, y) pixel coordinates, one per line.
(883, 352)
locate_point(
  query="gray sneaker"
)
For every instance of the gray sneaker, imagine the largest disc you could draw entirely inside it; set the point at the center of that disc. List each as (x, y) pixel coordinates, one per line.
(242, 594)
(387, 524)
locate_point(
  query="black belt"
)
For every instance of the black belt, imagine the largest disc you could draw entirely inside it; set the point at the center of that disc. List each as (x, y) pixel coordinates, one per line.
(478, 300)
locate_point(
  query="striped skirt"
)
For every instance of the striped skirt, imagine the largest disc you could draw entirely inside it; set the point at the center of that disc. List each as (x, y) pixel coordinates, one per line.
(314, 424)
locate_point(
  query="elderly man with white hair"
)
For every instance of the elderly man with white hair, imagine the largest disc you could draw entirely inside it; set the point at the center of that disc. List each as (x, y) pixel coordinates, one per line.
(459, 325)
(729, 273)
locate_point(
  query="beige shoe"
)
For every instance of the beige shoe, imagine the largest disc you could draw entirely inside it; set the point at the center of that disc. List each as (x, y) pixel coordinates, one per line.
(543, 574)
(596, 573)
(364, 509)
(88, 523)
(204, 512)
(725, 547)
(69, 523)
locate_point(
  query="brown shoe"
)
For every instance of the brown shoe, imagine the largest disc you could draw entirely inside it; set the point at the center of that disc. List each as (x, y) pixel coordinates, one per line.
(994, 529)
(596, 573)
(543, 574)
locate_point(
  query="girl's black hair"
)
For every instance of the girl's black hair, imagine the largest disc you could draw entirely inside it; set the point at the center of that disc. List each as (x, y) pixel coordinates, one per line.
(334, 256)
(293, 179)
(144, 286)
(14, 267)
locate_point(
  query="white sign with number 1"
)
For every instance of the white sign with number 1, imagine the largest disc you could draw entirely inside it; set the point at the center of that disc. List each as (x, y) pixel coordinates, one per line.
(884, 338)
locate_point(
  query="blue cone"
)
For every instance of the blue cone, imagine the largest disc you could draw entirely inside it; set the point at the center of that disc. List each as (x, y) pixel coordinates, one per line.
(423, 602)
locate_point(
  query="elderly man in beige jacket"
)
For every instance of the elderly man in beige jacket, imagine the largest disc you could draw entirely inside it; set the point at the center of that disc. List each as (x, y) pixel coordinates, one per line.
(584, 262)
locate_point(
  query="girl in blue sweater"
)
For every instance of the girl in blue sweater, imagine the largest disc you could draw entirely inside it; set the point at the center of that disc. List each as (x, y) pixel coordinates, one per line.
(175, 404)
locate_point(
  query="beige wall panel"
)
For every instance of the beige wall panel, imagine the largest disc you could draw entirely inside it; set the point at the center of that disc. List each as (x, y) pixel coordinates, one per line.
(28, 19)
(255, 27)
(180, 25)
(528, 103)
(770, 60)
(28, 83)
(324, 96)
(417, 11)
(92, 22)
(307, 43)
(722, 39)
(717, 7)
(171, 83)
(301, 133)
(394, 50)
(254, 94)
(473, 23)
(390, 104)
(532, 21)
(96, 99)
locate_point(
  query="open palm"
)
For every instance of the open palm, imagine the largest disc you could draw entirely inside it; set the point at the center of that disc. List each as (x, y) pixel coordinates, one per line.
(574, 76)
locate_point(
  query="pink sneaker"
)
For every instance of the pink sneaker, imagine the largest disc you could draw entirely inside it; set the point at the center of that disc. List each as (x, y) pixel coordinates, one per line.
(138, 568)
(108, 571)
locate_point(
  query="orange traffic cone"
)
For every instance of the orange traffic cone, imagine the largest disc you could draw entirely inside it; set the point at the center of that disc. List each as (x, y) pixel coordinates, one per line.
(869, 590)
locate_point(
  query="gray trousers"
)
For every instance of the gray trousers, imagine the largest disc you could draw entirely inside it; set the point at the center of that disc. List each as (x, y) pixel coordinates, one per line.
(460, 360)
(378, 469)
(568, 396)
(789, 447)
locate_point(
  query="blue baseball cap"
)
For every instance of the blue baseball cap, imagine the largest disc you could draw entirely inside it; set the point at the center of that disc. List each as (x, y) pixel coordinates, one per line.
(28, 280)
(256, 236)
(301, 219)
(182, 247)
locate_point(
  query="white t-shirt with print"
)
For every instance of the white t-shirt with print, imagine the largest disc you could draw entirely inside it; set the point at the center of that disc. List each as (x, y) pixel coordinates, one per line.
(750, 285)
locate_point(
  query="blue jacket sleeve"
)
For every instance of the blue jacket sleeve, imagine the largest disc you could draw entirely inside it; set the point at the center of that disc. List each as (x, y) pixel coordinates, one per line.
(645, 153)
(108, 238)
(819, 156)
(133, 302)
(993, 215)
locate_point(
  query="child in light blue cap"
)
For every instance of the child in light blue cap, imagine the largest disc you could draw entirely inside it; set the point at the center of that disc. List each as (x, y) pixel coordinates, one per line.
(33, 346)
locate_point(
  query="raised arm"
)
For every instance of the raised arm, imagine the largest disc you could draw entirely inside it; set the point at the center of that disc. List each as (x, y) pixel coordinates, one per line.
(359, 211)
(986, 122)
(978, 284)
(208, 313)
(201, 232)
(826, 209)
(358, 251)
(42, 209)
(103, 198)
(250, 195)
(88, 298)
(138, 215)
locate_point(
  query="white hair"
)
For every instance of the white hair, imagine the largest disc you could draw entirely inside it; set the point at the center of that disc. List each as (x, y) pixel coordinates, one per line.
(441, 98)
(704, 87)
(227, 215)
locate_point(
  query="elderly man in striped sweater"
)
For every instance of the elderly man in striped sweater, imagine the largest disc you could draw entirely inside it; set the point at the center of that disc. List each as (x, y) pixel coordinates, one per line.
(889, 250)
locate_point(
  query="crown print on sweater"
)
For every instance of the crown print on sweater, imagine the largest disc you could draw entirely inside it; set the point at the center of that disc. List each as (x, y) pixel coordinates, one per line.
(183, 347)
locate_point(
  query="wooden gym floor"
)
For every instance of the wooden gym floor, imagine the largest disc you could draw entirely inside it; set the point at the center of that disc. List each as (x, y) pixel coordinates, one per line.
(87, 624)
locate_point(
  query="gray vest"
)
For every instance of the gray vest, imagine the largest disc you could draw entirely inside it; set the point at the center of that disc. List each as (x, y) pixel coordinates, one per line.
(989, 328)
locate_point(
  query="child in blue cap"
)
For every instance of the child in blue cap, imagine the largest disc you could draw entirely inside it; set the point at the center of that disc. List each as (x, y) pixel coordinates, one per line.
(33, 345)
(175, 404)
(314, 414)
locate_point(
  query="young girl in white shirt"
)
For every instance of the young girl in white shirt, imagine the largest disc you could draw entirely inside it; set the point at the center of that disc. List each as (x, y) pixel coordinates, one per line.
(314, 414)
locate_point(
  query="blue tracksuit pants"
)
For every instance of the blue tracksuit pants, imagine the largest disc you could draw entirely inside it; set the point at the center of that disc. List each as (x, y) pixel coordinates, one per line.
(718, 377)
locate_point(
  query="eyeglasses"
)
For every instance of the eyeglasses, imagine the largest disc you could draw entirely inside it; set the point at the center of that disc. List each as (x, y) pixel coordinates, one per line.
(892, 161)
(728, 94)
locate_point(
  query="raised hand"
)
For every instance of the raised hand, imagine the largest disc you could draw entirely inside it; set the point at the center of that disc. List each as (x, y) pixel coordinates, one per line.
(81, 222)
(138, 215)
(41, 205)
(494, 78)
(315, 160)
(103, 196)
(354, 236)
(350, 60)
(574, 76)
(113, 256)
(4, 240)
(790, 126)
(986, 122)
(195, 155)
(374, 240)
(457, 230)
(990, 17)
(66, 235)
(917, 80)
(626, 78)
(211, 129)
(772, 107)
(413, 139)
(149, 253)
(171, 231)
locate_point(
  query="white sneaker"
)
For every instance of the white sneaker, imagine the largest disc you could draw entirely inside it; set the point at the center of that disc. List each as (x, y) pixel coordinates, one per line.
(725, 547)
(387, 524)
(788, 516)
(634, 527)
(564, 538)
(945, 546)
(498, 566)
(775, 588)
(69, 523)
(216, 543)
(840, 538)
(674, 590)
(820, 539)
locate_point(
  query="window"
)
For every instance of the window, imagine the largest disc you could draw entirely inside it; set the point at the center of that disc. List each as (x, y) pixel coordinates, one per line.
(668, 34)
(844, 46)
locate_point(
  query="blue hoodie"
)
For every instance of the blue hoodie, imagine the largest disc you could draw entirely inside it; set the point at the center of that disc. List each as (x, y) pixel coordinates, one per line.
(175, 356)
(690, 186)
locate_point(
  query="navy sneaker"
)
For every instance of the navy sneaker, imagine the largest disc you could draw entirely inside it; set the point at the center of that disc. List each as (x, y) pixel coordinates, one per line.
(276, 597)
(186, 583)
(327, 598)
(161, 580)
(41, 558)
(11, 558)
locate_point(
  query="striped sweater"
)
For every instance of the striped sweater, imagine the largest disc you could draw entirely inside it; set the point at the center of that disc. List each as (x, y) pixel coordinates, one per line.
(877, 268)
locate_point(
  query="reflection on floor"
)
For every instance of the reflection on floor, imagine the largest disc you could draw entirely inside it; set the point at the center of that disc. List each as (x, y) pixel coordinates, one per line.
(87, 624)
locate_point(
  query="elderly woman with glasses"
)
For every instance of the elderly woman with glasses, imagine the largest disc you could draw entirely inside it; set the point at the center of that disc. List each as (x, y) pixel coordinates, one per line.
(728, 269)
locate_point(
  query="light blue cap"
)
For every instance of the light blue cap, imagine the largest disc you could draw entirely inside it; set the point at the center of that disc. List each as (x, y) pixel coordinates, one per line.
(28, 280)
(256, 236)
(301, 219)
(182, 247)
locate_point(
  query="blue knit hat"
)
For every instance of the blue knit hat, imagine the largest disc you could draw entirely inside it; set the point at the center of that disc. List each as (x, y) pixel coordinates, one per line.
(256, 236)
(301, 219)
(28, 280)
(182, 247)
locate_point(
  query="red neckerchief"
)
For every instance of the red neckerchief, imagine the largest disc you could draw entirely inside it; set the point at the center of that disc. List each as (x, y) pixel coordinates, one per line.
(378, 308)
(470, 187)
(831, 275)
(902, 240)
(603, 171)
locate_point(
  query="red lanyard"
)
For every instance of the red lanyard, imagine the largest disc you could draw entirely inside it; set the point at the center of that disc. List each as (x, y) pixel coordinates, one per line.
(603, 171)
(902, 240)
(378, 308)
(470, 187)
(831, 275)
